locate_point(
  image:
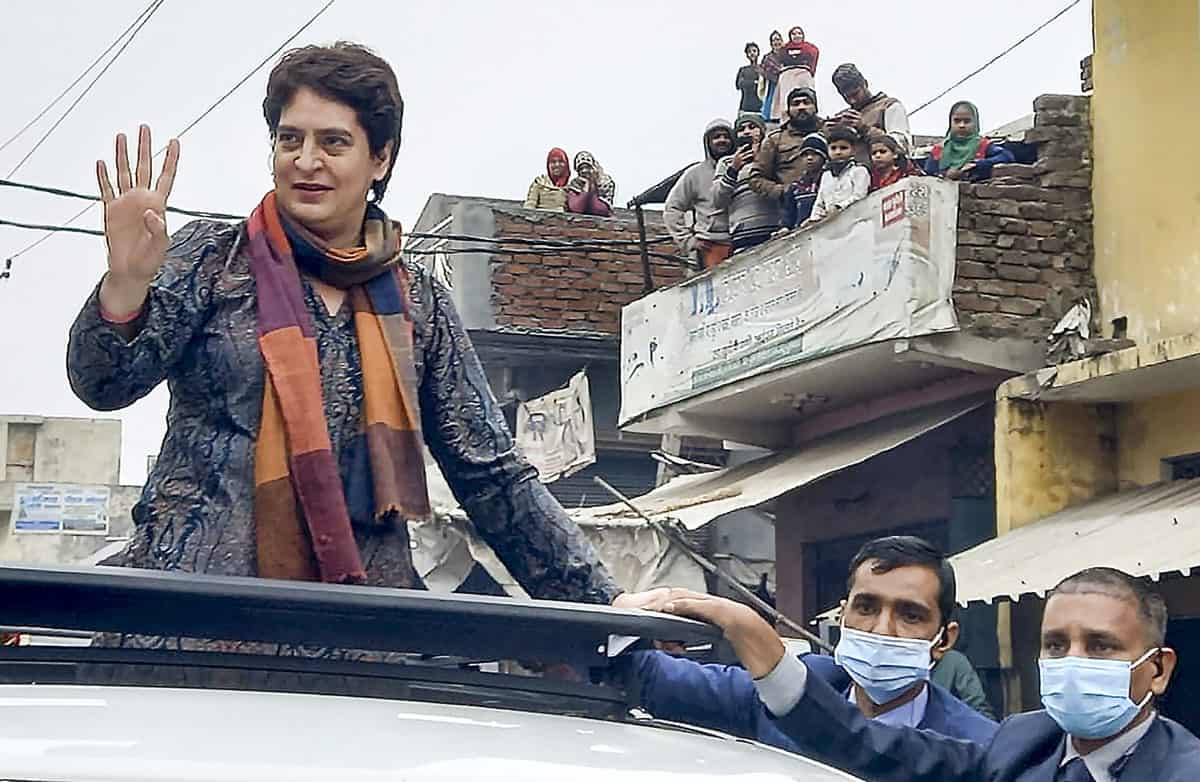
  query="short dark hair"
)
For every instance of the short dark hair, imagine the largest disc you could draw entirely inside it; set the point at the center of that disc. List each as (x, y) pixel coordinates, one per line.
(749, 46)
(1116, 583)
(347, 73)
(895, 551)
(843, 133)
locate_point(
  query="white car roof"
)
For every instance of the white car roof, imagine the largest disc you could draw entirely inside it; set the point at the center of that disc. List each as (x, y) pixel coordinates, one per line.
(73, 733)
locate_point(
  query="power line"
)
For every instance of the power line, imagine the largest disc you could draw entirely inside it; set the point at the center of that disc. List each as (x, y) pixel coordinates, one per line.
(512, 244)
(992, 61)
(78, 78)
(56, 191)
(194, 122)
(265, 61)
(145, 20)
(569, 243)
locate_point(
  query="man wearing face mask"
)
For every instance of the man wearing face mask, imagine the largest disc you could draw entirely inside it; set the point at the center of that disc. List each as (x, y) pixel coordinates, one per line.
(1103, 661)
(898, 621)
(779, 161)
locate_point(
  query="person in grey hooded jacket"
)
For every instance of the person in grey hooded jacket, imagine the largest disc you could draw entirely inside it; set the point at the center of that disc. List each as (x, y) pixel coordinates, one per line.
(752, 218)
(701, 229)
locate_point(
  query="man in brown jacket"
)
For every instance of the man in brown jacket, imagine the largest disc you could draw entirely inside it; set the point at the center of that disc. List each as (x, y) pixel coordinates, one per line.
(779, 163)
(871, 114)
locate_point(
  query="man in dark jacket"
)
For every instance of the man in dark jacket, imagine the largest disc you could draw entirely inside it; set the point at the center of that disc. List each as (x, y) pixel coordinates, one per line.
(902, 594)
(779, 162)
(747, 82)
(1103, 661)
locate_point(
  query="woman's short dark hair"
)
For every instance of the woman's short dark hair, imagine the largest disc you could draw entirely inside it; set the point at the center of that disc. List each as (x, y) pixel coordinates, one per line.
(887, 554)
(347, 73)
(749, 46)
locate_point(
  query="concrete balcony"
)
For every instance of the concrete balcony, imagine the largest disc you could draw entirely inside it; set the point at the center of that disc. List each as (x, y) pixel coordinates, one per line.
(827, 328)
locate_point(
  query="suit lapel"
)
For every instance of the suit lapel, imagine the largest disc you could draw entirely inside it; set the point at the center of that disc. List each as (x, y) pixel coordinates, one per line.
(1040, 753)
(1147, 758)
(1044, 771)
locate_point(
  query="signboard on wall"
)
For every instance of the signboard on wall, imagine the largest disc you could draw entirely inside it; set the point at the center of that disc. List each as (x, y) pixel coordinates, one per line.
(556, 431)
(882, 269)
(60, 508)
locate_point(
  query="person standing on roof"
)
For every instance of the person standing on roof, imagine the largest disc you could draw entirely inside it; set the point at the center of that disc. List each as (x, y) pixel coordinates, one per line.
(965, 154)
(699, 227)
(797, 68)
(752, 218)
(747, 80)
(780, 161)
(592, 191)
(768, 85)
(870, 114)
(549, 190)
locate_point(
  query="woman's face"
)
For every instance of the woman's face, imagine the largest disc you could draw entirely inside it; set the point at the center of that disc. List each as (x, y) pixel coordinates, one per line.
(557, 167)
(796, 35)
(962, 122)
(323, 165)
(776, 42)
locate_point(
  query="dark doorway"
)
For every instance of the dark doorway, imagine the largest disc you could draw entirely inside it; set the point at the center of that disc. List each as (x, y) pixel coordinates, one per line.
(1180, 702)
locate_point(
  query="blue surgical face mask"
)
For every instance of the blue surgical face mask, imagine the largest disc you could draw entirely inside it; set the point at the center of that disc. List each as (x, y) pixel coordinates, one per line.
(883, 666)
(1089, 698)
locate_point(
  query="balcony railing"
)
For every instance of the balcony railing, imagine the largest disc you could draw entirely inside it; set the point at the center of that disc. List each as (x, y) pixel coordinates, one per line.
(881, 270)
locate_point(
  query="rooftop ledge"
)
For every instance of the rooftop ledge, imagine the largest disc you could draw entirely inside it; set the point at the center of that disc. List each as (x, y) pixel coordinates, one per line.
(815, 331)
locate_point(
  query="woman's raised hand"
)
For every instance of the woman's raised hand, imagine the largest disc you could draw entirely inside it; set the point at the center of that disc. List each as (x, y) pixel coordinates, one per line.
(135, 226)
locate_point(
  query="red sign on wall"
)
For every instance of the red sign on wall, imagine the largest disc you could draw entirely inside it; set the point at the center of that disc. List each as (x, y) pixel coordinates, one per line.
(893, 208)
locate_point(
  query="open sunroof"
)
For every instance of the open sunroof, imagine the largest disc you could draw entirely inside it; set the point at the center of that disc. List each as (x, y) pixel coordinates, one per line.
(125, 600)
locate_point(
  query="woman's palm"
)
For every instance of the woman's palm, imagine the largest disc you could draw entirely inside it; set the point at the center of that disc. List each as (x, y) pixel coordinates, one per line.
(135, 227)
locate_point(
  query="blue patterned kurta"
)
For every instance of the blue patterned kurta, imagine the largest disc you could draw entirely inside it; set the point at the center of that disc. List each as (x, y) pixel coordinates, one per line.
(198, 332)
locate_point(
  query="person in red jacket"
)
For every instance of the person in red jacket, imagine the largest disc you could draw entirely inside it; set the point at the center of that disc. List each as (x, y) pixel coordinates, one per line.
(889, 162)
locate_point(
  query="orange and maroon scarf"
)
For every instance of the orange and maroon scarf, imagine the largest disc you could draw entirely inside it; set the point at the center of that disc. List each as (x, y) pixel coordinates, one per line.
(302, 511)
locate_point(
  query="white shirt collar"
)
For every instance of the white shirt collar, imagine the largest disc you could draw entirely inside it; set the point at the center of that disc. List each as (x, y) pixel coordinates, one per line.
(1101, 760)
(908, 715)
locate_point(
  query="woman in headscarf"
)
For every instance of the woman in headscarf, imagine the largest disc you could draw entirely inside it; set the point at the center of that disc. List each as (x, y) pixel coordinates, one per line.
(549, 190)
(797, 68)
(592, 191)
(965, 154)
(308, 364)
(768, 85)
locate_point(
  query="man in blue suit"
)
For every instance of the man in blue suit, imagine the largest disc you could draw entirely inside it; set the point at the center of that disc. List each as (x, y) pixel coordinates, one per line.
(1103, 661)
(898, 620)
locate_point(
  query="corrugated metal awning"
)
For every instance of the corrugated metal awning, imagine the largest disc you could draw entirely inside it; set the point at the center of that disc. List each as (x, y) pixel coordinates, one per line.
(695, 500)
(1144, 532)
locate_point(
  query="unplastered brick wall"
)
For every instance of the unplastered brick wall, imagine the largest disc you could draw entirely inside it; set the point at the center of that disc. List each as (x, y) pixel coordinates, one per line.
(1025, 246)
(573, 290)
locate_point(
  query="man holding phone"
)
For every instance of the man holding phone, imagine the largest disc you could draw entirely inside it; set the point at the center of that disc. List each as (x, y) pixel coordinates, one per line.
(752, 218)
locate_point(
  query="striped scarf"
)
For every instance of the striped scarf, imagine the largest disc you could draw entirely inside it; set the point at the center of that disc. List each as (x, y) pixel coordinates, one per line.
(302, 511)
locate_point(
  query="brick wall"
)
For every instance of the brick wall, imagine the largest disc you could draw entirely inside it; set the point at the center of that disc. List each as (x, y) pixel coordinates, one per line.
(576, 291)
(1025, 238)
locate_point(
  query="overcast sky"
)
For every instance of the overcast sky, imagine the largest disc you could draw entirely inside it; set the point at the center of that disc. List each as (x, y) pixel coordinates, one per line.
(489, 87)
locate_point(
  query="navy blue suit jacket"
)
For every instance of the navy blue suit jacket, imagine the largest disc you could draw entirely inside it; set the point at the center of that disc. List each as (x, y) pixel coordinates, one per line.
(1026, 748)
(724, 698)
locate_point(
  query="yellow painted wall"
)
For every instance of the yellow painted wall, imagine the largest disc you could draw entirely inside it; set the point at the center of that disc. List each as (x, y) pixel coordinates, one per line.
(1146, 70)
(1154, 429)
(1050, 456)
